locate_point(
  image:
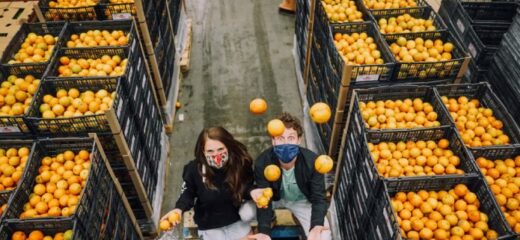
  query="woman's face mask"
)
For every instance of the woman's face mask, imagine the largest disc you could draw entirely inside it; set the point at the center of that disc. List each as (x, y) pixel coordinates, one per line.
(216, 153)
(217, 160)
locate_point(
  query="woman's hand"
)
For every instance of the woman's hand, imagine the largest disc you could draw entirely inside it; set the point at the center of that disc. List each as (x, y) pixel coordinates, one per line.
(170, 216)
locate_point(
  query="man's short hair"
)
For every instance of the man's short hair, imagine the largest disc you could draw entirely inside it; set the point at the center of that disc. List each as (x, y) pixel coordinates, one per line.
(291, 122)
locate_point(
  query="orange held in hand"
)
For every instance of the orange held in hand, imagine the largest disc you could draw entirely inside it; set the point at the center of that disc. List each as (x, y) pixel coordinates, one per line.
(258, 106)
(272, 173)
(174, 218)
(263, 201)
(164, 225)
(268, 193)
(323, 164)
(320, 112)
(275, 127)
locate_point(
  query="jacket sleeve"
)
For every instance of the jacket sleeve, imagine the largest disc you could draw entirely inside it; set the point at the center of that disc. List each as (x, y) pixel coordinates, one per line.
(318, 199)
(188, 190)
(250, 185)
(264, 215)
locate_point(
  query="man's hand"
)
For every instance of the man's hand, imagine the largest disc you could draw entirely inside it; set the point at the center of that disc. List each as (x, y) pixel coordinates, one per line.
(259, 236)
(315, 233)
(257, 193)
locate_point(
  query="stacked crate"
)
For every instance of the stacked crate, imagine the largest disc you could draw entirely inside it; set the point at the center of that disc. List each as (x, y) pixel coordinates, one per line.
(332, 80)
(131, 128)
(503, 74)
(363, 194)
(480, 27)
(93, 217)
(158, 22)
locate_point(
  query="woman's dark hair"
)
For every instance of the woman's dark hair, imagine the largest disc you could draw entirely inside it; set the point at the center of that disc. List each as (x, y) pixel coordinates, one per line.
(238, 169)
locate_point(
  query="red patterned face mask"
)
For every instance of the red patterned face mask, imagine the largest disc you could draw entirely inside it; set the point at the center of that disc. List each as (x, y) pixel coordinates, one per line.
(218, 160)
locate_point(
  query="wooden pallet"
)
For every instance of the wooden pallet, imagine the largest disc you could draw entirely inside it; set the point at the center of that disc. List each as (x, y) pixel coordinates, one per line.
(14, 14)
(186, 54)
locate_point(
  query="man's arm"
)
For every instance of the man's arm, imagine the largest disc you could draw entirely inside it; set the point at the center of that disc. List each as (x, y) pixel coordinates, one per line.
(318, 199)
(264, 215)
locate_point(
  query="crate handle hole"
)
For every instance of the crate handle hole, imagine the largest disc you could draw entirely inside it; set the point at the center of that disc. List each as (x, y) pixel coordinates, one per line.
(7, 25)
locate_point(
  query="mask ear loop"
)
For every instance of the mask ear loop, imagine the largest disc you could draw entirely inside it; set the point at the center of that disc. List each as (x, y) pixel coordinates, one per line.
(204, 173)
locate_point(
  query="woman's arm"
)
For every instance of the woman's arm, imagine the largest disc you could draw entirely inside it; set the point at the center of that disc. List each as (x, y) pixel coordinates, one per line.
(186, 200)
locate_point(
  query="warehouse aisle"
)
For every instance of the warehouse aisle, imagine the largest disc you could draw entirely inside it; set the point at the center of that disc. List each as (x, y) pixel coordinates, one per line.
(241, 50)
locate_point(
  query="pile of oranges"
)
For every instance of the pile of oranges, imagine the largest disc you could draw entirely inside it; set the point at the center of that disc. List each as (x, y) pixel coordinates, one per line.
(503, 177)
(389, 4)
(419, 158)
(476, 123)
(72, 3)
(358, 48)
(58, 185)
(73, 103)
(12, 164)
(392, 114)
(339, 11)
(112, 66)
(39, 235)
(405, 24)
(35, 49)
(97, 38)
(420, 50)
(452, 214)
(16, 94)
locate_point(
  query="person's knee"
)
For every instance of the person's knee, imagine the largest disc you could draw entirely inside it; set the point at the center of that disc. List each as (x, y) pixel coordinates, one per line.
(247, 211)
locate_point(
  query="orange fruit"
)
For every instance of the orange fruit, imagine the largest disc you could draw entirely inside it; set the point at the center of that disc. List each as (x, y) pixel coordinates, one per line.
(323, 164)
(164, 225)
(272, 173)
(276, 127)
(258, 106)
(268, 193)
(18, 235)
(461, 190)
(174, 218)
(320, 112)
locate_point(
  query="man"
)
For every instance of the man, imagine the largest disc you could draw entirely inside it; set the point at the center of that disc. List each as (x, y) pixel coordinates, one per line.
(300, 188)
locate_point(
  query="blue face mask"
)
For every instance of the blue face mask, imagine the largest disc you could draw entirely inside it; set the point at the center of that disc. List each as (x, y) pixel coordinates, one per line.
(286, 152)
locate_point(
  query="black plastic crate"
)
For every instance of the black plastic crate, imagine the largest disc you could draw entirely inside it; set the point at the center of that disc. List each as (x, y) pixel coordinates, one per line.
(49, 228)
(419, 3)
(482, 42)
(488, 99)
(113, 11)
(430, 71)
(94, 196)
(425, 93)
(385, 226)
(6, 144)
(467, 163)
(475, 74)
(67, 14)
(495, 153)
(144, 165)
(493, 13)
(129, 27)
(81, 125)
(15, 126)
(425, 13)
(53, 28)
(118, 224)
(369, 72)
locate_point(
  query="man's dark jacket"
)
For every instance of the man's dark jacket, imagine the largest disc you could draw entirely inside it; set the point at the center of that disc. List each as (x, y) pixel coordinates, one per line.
(310, 182)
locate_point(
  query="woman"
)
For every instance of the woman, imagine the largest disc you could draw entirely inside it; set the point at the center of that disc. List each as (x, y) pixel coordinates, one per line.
(217, 183)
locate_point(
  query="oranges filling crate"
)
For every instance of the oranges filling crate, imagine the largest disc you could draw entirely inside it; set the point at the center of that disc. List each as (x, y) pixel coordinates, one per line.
(403, 107)
(66, 179)
(32, 48)
(362, 47)
(78, 105)
(419, 153)
(479, 116)
(501, 169)
(440, 208)
(427, 56)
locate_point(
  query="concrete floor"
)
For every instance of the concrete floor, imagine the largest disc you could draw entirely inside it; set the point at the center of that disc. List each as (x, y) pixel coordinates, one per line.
(241, 49)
